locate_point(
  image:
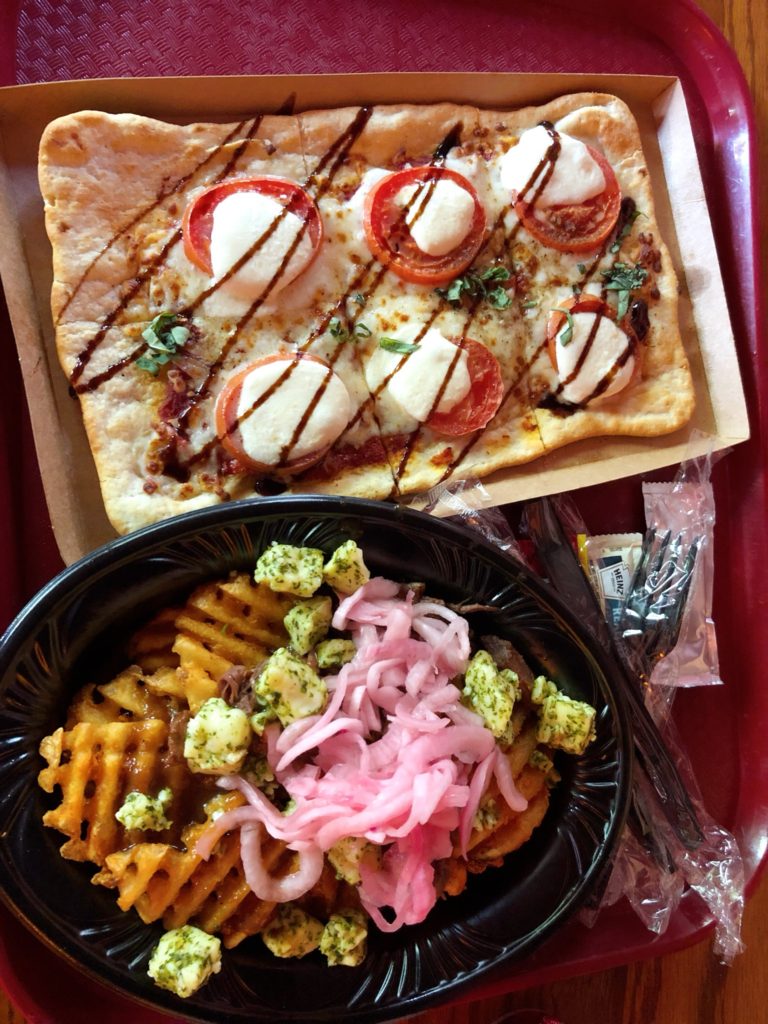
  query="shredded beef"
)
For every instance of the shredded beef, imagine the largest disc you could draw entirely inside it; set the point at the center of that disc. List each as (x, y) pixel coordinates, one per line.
(470, 609)
(176, 735)
(247, 701)
(236, 687)
(232, 682)
(506, 656)
(417, 589)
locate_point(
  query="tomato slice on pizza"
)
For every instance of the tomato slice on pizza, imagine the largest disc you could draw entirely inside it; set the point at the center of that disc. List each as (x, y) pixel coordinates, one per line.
(594, 356)
(426, 224)
(452, 388)
(576, 227)
(264, 220)
(565, 192)
(480, 404)
(280, 414)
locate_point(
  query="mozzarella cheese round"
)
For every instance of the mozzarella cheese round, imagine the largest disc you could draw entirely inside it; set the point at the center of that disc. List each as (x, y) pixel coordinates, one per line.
(608, 346)
(265, 434)
(576, 177)
(239, 220)
(415, 385)
(444, 221)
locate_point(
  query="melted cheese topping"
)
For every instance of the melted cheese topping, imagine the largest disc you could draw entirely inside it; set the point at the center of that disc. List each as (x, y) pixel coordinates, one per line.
(239, 221)
(415, 385)
(265, 434)
(371, 177)
(608, 345)
(469, 166)
(576, 176)
(442, 224)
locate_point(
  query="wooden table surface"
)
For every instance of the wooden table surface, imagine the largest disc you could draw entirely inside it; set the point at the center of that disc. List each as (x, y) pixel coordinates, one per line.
(689, 987)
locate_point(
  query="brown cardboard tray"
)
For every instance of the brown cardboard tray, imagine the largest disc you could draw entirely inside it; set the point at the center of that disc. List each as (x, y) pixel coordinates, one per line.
(69, 476)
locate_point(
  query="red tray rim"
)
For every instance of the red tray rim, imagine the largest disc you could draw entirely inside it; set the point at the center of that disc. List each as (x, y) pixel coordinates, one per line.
(712, 69)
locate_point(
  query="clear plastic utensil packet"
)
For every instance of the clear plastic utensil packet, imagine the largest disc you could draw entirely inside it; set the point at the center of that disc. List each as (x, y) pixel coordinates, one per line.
(686, 508)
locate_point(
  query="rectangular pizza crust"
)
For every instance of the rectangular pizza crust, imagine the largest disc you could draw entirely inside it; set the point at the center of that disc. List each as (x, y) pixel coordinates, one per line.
(115, 190)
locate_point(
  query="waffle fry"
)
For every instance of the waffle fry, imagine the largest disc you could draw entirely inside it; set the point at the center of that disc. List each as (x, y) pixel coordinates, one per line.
(234, 623)
(514, 832)
(529, 782)
(179, 887)
(130, 697)
(500, 831)
(96, 764)
(250, 918)
(237, 623)
(152, 646)
(125, 736)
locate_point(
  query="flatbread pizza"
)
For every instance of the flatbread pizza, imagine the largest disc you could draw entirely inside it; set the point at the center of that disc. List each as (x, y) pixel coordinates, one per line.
(364, 300)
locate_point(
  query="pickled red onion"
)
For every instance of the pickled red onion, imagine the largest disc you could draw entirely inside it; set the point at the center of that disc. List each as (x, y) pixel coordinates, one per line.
(394, 758)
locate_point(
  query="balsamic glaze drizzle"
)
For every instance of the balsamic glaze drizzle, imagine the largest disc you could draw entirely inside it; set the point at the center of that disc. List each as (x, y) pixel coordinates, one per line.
(299, 428)
(551, 401)
(317, 184)
(365, 283)
(583, 355)
(357, 287)
(138, 283)
(529, 194)
(438, 157)
(166, 190)
(626, 214)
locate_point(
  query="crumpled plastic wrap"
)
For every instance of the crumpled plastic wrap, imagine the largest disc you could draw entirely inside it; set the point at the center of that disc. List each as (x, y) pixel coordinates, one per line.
(652, 867)
(686, 508)
(469, 502)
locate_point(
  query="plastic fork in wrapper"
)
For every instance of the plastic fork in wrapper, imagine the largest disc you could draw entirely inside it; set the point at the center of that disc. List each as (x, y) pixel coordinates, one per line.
(653, 609)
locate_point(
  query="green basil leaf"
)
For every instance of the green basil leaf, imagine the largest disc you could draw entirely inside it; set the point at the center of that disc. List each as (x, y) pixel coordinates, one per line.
(476, 287)
(498, 298)
(623, 304)
(623, 277)
(396, 345)
(494, 274)
(147, 363)
(335, 327)
(161, 322)
(565, 337)
(164, 337)
(359, 298)
(156, 343)
(454, 290)
(179, 335)
(530, 304)
(362, 330)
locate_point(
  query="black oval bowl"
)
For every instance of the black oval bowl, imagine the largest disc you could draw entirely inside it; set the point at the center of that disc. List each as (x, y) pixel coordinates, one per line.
(74, 632)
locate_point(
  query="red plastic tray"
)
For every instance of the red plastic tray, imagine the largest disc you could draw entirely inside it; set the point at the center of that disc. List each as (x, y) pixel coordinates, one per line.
(724, 727)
